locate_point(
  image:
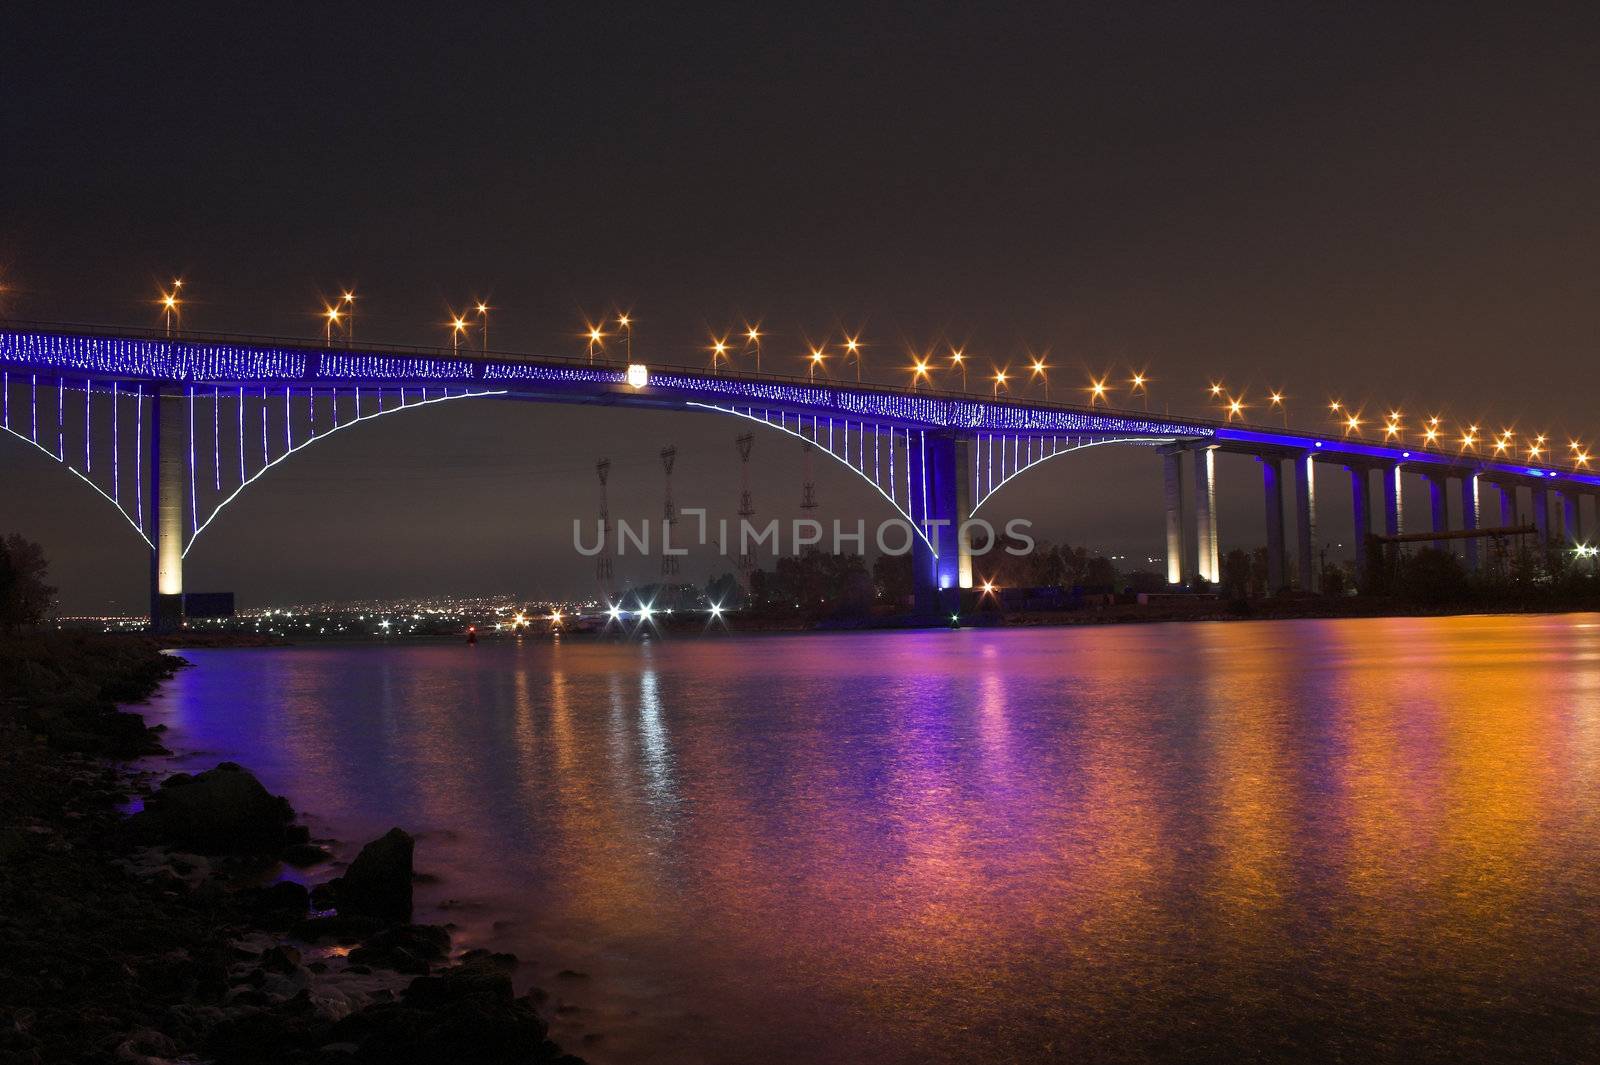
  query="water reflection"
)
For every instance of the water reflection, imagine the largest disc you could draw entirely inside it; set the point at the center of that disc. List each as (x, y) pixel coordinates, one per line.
(1350, 840)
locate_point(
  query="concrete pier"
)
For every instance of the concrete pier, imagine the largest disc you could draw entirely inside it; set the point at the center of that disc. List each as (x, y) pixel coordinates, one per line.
(1205, 514)
(1305, 520)
(1272, 486)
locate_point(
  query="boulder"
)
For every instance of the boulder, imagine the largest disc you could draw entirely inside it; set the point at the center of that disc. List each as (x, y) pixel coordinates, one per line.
(465, 1013)
(409, 948)
(221, 811)
(378, 882)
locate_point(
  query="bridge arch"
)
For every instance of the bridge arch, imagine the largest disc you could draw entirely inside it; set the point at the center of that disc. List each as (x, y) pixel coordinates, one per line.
(1018, 454)
(59, 454)
(293, 448)
(891, 463)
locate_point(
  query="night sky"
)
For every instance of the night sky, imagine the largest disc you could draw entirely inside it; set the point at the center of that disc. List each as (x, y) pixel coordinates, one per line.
(1394, 207)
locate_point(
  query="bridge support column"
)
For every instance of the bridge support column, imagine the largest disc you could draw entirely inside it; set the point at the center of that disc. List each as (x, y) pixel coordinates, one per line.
(1469, 517)
(1272, 484)
(1361, 512)
(1172, 492)
(1205, 515)
(1438, 503)
(1393, 515)
(1571, 516)
(1541, 515)
(166, 499)
(1305, 520)
(935, 511)
(963, 460)
(1508, 503)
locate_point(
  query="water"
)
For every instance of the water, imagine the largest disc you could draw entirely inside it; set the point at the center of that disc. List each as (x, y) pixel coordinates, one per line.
(1313, 840)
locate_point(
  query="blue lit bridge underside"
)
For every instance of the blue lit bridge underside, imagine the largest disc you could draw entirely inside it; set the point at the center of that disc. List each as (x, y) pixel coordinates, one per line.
(171, 431)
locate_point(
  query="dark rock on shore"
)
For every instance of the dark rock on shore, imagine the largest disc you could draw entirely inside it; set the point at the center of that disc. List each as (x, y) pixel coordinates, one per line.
(221, 811)
(378, 882)
(410, 948)
(465, 1013)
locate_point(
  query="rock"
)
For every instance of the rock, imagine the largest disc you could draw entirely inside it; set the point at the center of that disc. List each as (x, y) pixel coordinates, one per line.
(326, 896)
(458, 984)
(411, 948)
(378, 882)
(505, 963)
(466, 1013)
(280, 905)
(221, 811)
(147, 1047)
(304, 855)
(280, 959)
(338, 928)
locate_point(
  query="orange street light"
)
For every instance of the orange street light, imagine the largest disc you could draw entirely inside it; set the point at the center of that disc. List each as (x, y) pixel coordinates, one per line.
(818, 362)
(347, 300)
(170, 304)
(719, 352)
(919, 372)
(330, 318)
(1235, 409)
(625, 323)
(483, 312)
(752, 336)
(458, 326)
(1352, 424)
(958, 359)
(1000, 378)
(1276, 399)
(596, 338)
(1139, 383)
(852, 348)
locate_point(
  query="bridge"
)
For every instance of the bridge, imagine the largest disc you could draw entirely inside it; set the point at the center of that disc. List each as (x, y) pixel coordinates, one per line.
(170, 430)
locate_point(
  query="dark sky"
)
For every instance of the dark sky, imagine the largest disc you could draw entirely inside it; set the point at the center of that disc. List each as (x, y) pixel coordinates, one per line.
(1394, 204)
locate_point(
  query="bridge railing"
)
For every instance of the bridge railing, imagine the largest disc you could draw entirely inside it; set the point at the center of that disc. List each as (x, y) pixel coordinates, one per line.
(478, 355)
(493, 355)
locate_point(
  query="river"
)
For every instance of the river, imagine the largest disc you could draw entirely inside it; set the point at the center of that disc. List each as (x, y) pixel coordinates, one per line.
(1372, 839)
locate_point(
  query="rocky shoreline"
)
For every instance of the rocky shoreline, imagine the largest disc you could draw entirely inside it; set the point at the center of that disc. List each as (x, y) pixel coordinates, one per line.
(168, 935)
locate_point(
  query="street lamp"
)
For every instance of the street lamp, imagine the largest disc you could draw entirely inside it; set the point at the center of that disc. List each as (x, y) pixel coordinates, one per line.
(852, 347)
(595, 337)
(483, 312)
(719, 351)
(1140, 386)
(330, 318)
(919, 372)
(958, 359)
(625, 323)
(1276, 399)
(1000, 377)
(458, 326)
(1235, 409)
(817, 363)
(348, 302)
(1352, 424)
(169, 304)
(752, 336)
(1038, 368)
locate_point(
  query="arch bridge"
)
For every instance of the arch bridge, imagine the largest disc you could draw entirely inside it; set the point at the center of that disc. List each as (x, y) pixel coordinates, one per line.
(170, 430)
